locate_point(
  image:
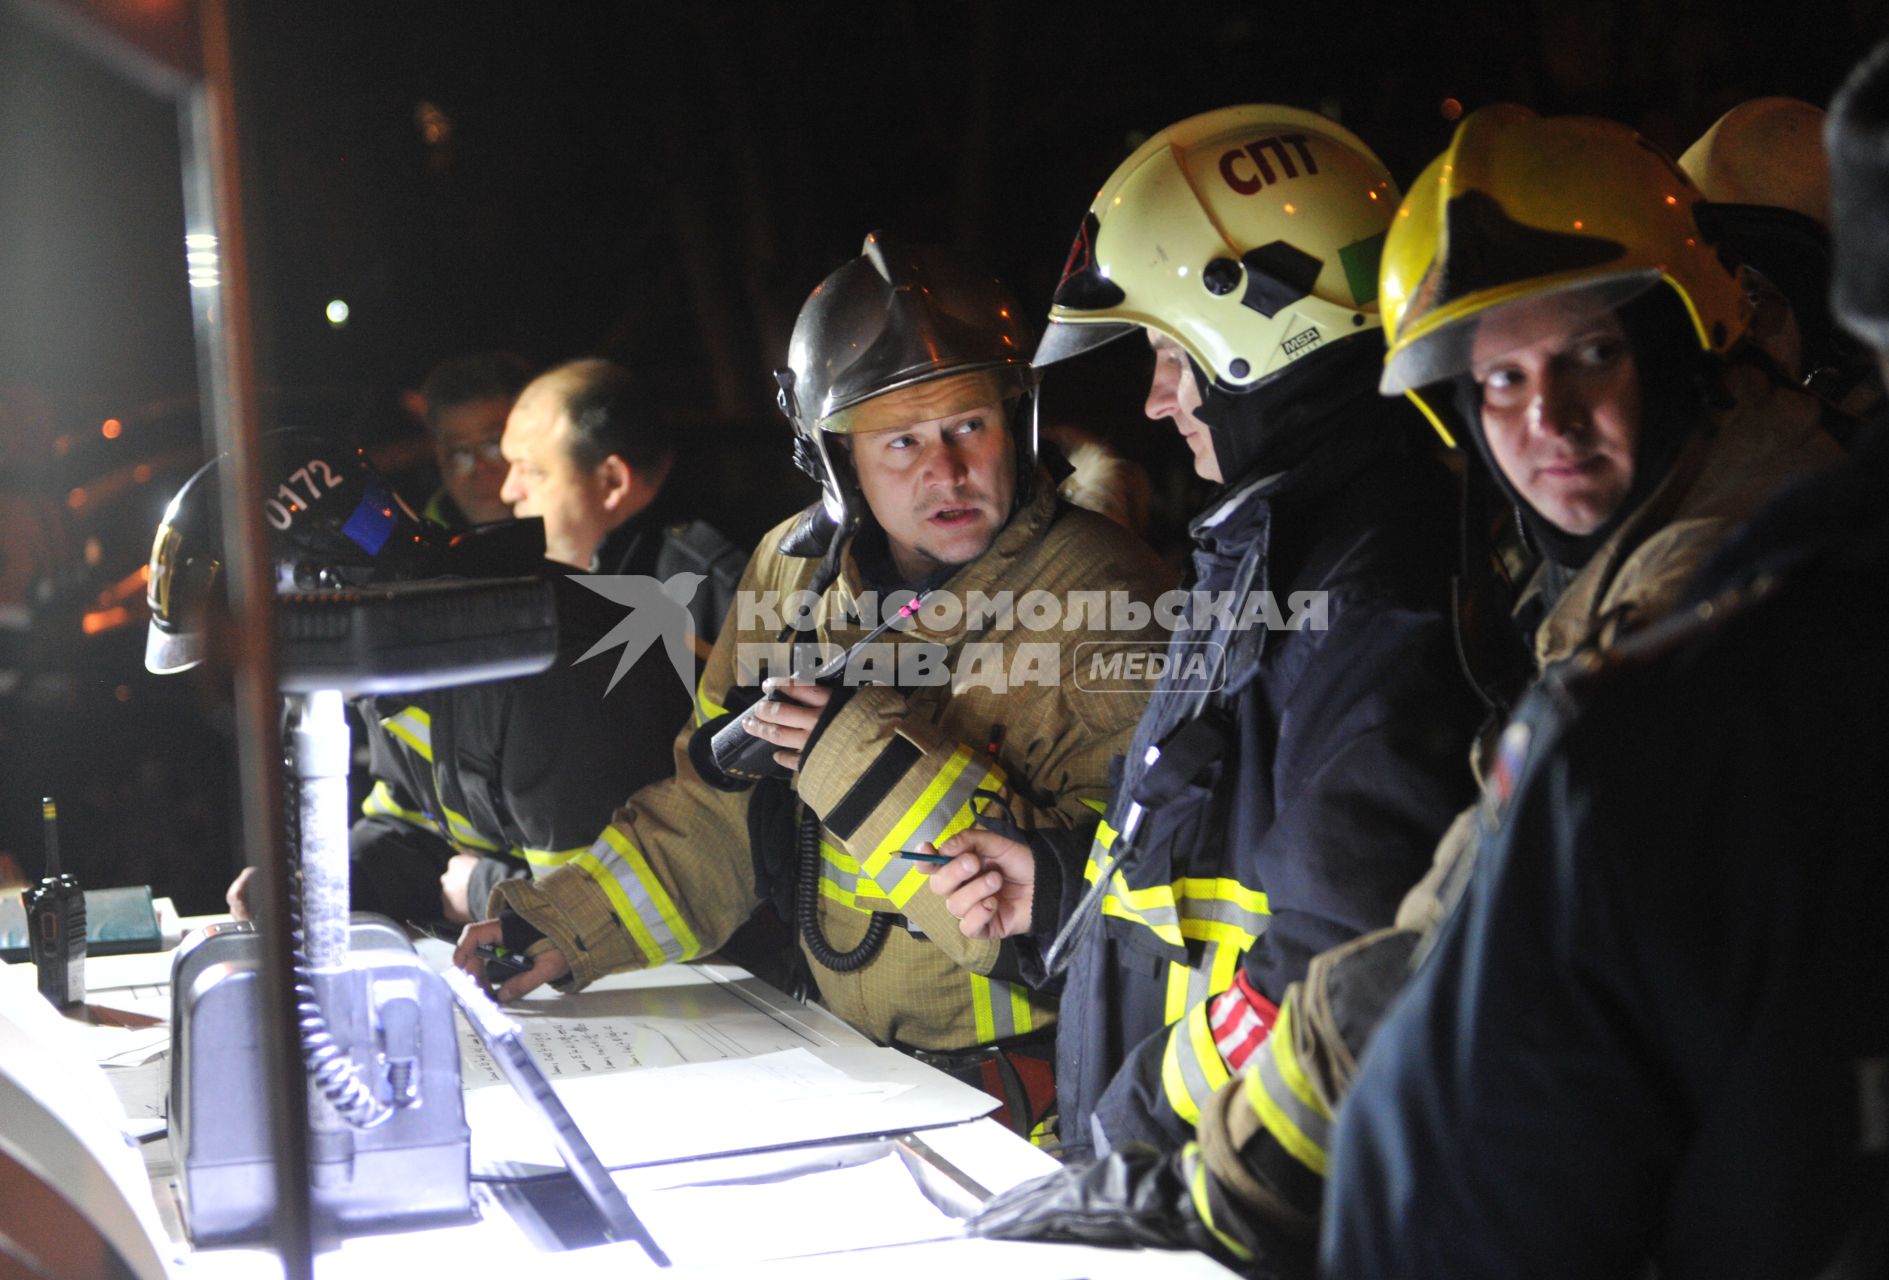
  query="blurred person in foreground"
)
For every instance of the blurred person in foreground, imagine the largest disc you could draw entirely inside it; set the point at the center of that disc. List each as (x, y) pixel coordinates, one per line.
(1651, 1032)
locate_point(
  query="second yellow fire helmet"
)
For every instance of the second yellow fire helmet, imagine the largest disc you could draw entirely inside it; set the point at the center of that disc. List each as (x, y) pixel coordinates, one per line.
(1522, 206)
(1250, 235)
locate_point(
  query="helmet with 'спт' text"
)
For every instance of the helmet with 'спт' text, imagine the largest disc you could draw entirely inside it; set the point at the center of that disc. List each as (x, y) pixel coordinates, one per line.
(1520, 207)
(897, 317)
(1250, 235)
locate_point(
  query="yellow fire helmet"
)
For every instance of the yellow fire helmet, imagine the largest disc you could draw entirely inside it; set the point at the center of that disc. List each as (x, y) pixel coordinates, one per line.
(1769, 152)
(1520, 207)
(1250, 235)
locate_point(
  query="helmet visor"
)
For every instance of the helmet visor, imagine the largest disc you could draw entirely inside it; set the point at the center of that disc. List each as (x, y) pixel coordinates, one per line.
(166, 653)
(1064, 340)
(1492, 330)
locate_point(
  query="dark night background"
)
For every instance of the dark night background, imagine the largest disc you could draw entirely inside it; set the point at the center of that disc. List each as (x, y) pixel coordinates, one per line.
(659, 183)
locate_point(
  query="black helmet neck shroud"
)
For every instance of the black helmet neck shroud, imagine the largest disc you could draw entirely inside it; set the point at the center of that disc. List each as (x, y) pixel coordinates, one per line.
(1274, 426)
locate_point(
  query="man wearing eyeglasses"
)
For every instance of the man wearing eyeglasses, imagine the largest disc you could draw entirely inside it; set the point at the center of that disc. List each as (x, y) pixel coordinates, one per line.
(466, 401)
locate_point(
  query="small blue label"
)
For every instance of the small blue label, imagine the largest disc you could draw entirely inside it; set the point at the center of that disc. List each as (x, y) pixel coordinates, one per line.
(373, 521)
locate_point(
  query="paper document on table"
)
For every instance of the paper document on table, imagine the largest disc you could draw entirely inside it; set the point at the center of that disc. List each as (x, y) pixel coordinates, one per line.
(862, 1206)
(670, 1113)
(658, 1019)
(142, 969)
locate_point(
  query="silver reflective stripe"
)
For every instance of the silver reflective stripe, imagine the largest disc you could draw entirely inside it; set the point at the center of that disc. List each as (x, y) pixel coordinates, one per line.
(1282, 1097)
(959, 795)
(414, 727)
(1000, 1010)
(1194, 1073)
(638, 897)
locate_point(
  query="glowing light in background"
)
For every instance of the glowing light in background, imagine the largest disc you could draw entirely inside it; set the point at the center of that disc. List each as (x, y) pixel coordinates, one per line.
(337, 312)
(435, 126)
(1450, 109)
(112, 429)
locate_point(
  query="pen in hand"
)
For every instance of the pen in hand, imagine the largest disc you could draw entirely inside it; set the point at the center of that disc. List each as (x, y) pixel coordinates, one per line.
(936, 859)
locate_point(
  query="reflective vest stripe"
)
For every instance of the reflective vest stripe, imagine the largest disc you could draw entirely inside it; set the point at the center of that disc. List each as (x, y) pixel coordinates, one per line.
(1222, 962)
(932, 810)
(911, 877)
(1214, 910)
(1178, 1001)
(1195, 1170)
(840, 876)
(999, 1010)
(1189, 985)
(983, 1016)
(1282, 1097)
(413, 726)
(1191, 1069)
(641, 902)
(380, 803)
(1100, 807)
(546, 859)
(459, 830)
(706, 708)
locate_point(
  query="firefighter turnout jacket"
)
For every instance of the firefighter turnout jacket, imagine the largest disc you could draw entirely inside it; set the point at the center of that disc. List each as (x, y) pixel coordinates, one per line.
(522, 772)
(1652, 1027)
(1265, 1140)
(996, 709)
(1310, 775)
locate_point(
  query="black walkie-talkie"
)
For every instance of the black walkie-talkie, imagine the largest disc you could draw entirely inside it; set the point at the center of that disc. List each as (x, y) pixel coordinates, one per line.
(55, 923)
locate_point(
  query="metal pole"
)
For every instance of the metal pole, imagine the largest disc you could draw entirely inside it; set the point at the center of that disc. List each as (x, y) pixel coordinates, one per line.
(220, 280)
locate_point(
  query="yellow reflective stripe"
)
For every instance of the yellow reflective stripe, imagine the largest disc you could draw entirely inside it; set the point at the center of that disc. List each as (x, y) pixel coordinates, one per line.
(414, 727)
(679, 942)
(706, 708)
(999, 1010)
(901, 893)
(1020, 1014)
(927, 801)
(1203, 1203)
(982, 1015)
(1222, 890)
(1177, 1001)
(1291, 1070)
(839, 879)
(461, 831)
(1100, 806)
(546, 859)
(1180, 1101)
(1191, 1068)
(380, 803)
(1279, 1064)
(1230, 936)
(1213, 1068)
(1105, 836)
(1118, 902)
(1221, 964)
(1156, 897)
